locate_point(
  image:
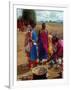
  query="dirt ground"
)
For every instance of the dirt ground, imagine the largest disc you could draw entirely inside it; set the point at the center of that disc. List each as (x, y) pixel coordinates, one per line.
(22, 61)
(54, 28)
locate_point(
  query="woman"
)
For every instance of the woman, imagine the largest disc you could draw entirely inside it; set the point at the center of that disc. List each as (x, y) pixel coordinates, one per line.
(28, 42)
(58, 48)
(43, 44)
(31, 45)
(33, 50)
(50, 45)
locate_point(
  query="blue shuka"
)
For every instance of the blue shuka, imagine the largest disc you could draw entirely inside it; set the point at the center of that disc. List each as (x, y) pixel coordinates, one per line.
(33, 51)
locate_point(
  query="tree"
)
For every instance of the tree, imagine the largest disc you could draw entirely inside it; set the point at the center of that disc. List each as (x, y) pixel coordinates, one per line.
(28, 15)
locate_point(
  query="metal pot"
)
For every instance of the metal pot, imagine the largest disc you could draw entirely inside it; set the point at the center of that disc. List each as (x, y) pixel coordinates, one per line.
(39, 72)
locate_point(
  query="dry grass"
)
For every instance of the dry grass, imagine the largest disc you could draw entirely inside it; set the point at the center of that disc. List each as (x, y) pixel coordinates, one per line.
(53, 28)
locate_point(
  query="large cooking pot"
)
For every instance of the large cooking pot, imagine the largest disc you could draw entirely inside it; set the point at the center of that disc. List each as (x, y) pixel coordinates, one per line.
(39, 72)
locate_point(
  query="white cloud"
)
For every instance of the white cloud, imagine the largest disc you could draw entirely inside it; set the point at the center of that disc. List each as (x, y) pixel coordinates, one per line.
(49, 15)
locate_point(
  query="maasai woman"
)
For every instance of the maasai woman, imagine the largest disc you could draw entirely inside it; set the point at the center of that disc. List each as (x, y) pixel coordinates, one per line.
(28, 41)
(50, 45)
(42, 44)
(58, 48)
(33, 51)
(59, 54)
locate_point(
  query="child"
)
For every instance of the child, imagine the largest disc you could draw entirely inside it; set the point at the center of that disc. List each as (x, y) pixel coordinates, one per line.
(43, 44)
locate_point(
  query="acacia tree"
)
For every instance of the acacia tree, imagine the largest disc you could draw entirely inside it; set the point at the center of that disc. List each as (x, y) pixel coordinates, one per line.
(28, 15)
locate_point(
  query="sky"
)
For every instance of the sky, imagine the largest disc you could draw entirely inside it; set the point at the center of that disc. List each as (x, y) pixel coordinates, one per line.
(45, 15)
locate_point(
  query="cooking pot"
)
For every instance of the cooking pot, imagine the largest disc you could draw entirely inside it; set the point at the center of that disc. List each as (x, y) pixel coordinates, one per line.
(39, 72)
